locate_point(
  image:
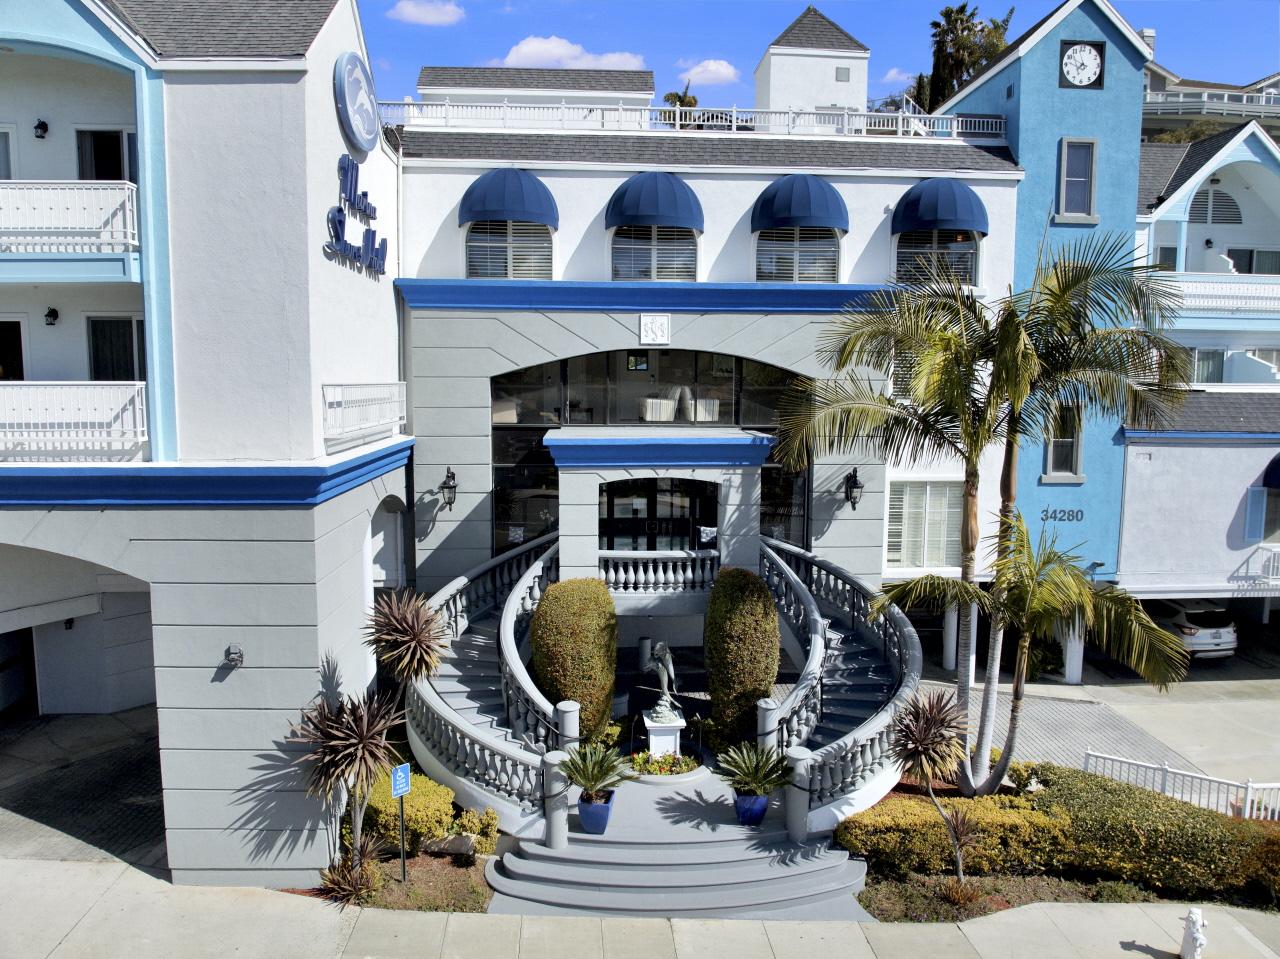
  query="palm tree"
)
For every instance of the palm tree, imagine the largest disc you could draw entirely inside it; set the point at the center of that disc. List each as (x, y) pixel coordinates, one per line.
(926, 741)
(678, 98)
(1039, 589)
(407, 636)
(1086, 338)
(955, 36)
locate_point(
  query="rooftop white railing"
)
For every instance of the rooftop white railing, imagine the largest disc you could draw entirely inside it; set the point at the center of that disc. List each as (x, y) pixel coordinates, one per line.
(1229, 292)
(363, 410)
(1211, 102)
(77, 421)
(68, 216)
(633, 119)
(1248, 800)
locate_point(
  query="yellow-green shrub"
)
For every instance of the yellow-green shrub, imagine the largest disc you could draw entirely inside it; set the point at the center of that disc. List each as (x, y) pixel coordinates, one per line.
(740, 645)
(483, 826)
(574, 636)
(428, 812)
(904, 834)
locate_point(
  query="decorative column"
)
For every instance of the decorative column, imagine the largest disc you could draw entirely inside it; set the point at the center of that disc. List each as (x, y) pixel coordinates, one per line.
(797, 803)
(555, 800)
(568, 714)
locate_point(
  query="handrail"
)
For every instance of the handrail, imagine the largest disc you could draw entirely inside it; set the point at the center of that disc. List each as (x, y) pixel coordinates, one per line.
(659, 570)
(792, 721)
(842, 766)
(476, 754)
(530, 713)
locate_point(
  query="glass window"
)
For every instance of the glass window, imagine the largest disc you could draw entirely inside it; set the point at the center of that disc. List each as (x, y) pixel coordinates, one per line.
(1267, 356)
(763, 388)
(589, 388)
(1064, 445)
(842, 74)
(654, 253)
(1209, 364)
(798, 255)
(712, 400)
(531, 395)
(1242, 260)
(924, 524)
(1167, 257)
(508, 250)
(6, 166)
(117, 350)
(1076, 191)
(654, 386)
(1266, 262)
(525, 488)
(784, 498)
(953, 250)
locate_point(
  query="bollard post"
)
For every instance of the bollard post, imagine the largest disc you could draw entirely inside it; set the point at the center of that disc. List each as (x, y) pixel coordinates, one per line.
(766, 727)
(555, 800)
(797, 805)
(568, 715)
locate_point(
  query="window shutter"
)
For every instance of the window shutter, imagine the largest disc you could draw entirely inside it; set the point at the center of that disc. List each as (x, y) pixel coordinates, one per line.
(1225, 209)
(1200, 207)
(1255, 514)
(893, 553)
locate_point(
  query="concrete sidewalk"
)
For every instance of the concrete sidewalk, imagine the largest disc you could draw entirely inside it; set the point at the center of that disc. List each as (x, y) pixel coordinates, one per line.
(97, 909)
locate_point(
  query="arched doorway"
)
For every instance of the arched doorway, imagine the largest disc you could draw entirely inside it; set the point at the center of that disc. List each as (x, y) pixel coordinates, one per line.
(658, 513)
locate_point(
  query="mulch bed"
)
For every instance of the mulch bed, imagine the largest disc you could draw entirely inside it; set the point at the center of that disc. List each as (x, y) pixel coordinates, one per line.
(435, 884)
(920, 898)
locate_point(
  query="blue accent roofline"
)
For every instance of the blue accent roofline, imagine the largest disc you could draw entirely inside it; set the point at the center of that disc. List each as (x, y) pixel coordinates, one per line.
(605, 296)
(1198, 435)
(146, 484)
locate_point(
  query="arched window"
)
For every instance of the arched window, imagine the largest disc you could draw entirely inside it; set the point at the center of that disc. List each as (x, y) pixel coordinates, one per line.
(798, 254)
(957, 250)
(508, 250)
(1215, 206)
(654, 253)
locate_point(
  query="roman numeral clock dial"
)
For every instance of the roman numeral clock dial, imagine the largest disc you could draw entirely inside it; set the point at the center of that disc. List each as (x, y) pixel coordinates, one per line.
(1081, 65)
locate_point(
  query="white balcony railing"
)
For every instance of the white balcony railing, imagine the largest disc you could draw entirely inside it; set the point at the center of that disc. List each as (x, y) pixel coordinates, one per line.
(68, 216)
(1229, 293)
(619, 117)
(659, 572)
(1211, 103)
(89, 421)
(1263, 564)
(363, 411)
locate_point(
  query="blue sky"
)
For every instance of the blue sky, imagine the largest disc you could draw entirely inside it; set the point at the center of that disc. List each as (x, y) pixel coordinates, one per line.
(1234, 41)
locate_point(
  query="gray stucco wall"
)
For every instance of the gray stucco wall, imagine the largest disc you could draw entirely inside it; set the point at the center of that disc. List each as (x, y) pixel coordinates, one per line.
(456, 352)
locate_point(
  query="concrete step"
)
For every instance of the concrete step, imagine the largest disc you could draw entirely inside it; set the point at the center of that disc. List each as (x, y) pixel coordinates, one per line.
(722, 836)
(826, 733)
(470, 697)
(451, 668)
(845, 693)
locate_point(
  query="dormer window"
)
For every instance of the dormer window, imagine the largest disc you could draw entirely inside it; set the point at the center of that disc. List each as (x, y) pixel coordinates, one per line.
(655, 253)
(508, 250)
(799, 254)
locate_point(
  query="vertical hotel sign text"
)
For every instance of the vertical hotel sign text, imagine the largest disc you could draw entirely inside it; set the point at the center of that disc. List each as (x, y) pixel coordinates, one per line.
(358, 116)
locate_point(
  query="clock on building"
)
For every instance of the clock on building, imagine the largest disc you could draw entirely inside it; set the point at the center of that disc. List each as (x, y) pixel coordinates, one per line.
(1081, 64)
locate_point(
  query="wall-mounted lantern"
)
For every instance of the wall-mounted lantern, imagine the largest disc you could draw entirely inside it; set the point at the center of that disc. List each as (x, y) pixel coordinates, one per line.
(233, 658)
(50, 316)
(1208, 243)
(853, 488)
(448, 489)
(42, 129)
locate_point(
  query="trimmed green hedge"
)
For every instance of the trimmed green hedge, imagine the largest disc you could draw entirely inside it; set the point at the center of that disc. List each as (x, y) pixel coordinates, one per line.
(740, 645)
(574, 636)
(428, 815)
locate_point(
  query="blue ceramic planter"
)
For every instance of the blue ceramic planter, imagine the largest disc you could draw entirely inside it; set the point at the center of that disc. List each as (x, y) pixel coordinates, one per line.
(750, 809)
(595, 815)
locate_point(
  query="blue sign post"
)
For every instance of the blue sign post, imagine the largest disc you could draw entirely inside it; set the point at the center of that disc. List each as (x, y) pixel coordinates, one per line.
(400, 785)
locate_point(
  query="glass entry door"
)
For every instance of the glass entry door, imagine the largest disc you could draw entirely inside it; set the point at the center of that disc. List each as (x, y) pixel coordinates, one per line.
(658, 514)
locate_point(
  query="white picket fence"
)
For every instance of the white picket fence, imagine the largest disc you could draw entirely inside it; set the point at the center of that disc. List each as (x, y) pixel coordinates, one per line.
(1246, 800)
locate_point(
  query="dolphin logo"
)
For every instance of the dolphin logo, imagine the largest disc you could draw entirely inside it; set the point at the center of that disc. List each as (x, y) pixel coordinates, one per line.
(360, 106)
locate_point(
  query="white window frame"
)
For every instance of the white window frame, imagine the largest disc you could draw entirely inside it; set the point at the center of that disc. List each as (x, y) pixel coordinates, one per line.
(508, 246)
(975, 281)
(653, 255)
(1075, 476)
(755, 255)
(1195, 362)
(1062, 216)
(951, 548)
(125, 130)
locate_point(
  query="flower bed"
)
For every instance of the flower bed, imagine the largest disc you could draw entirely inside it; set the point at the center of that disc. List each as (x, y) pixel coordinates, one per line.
(647, 764)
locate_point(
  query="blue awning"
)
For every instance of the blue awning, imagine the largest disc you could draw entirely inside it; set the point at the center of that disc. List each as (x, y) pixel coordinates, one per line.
(507, 194)
(940, 204)
(654, 199)
(799, 199)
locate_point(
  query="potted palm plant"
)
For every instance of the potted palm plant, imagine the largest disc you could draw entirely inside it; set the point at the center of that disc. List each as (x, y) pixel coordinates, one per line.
(597, 771)
(754, 772)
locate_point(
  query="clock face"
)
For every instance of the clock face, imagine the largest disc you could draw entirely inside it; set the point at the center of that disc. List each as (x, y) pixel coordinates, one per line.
(1082, 64)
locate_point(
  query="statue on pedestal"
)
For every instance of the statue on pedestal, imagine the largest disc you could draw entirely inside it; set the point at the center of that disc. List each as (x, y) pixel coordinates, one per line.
(660, 662)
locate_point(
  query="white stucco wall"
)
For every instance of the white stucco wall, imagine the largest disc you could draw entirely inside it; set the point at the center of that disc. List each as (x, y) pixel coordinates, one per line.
(1182, 531)
(790, 78)
(61, 351)
(68, 95)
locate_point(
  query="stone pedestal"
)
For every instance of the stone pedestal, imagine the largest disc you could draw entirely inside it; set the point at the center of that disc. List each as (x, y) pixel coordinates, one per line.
(664, 733)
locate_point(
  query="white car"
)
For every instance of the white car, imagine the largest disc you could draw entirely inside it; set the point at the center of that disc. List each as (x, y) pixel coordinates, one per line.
(1203, 625)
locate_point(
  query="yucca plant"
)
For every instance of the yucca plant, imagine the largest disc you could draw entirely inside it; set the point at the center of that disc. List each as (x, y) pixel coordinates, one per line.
(596, 770)
(925, 741)
(407, 636)
(353, 879)
(349, 750)
(753, 770)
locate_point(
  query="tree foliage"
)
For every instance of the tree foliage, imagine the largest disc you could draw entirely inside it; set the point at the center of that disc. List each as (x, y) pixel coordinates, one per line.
(962, 45)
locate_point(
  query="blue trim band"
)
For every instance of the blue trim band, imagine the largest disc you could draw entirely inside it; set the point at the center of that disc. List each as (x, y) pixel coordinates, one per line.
(604, 297)
(194, 486)
(657, 452)
(1195, 435)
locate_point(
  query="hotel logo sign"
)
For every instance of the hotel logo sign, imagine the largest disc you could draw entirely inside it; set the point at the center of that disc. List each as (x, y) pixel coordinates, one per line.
(370, 255)
(357, 108)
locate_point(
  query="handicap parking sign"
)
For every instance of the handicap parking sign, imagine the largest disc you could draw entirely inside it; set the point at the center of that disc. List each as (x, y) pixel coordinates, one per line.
(400, 781)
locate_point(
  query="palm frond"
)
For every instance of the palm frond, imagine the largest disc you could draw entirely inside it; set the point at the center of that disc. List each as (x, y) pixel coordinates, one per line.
(931, 592)
(1122, 629)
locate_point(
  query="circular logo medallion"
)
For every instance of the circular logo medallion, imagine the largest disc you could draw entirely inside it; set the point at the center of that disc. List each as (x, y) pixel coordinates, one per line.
(357, 108)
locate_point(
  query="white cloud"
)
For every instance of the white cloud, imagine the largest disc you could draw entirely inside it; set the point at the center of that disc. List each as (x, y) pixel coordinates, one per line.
(897, 76)
(708, 73)
(427, 13)
(556, 51)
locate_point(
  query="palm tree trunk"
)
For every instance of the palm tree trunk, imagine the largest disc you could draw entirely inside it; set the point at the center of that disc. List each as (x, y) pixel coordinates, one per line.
(964, 650)
(986, 783)
(951, 832)
(1015, 710)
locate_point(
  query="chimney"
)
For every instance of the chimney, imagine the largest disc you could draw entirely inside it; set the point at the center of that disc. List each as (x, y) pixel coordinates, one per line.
(1149, 38)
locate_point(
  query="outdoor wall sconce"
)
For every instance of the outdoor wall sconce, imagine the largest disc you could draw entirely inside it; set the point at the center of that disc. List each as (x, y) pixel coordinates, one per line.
(69, 623)
(50, 316)
(1208, 244)
(448, 489)
(233, 657)
(1092, 569)
(42, 129)
(853, 488)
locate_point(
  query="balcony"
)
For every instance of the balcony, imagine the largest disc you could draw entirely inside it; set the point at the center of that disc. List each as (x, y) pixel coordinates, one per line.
(357, 413)
(72, 422)
(70, 230)
(626, 119)
(1229, 293)
(1211, 103)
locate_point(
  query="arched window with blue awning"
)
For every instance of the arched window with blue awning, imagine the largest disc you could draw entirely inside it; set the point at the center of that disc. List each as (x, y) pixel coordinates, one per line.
(938, 224)
(655, 218)
(798, 220)
(509, 215)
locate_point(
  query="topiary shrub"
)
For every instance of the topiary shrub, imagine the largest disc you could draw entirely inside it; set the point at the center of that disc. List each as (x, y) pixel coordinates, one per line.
(574, 636)
(903, 834)
(740, 643)
(428, 812)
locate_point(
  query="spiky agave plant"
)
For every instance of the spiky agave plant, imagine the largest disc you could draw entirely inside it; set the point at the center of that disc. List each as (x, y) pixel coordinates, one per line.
(596, 769)
(926, 741)
(348, 751)
(407, 636)
(753, 770)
